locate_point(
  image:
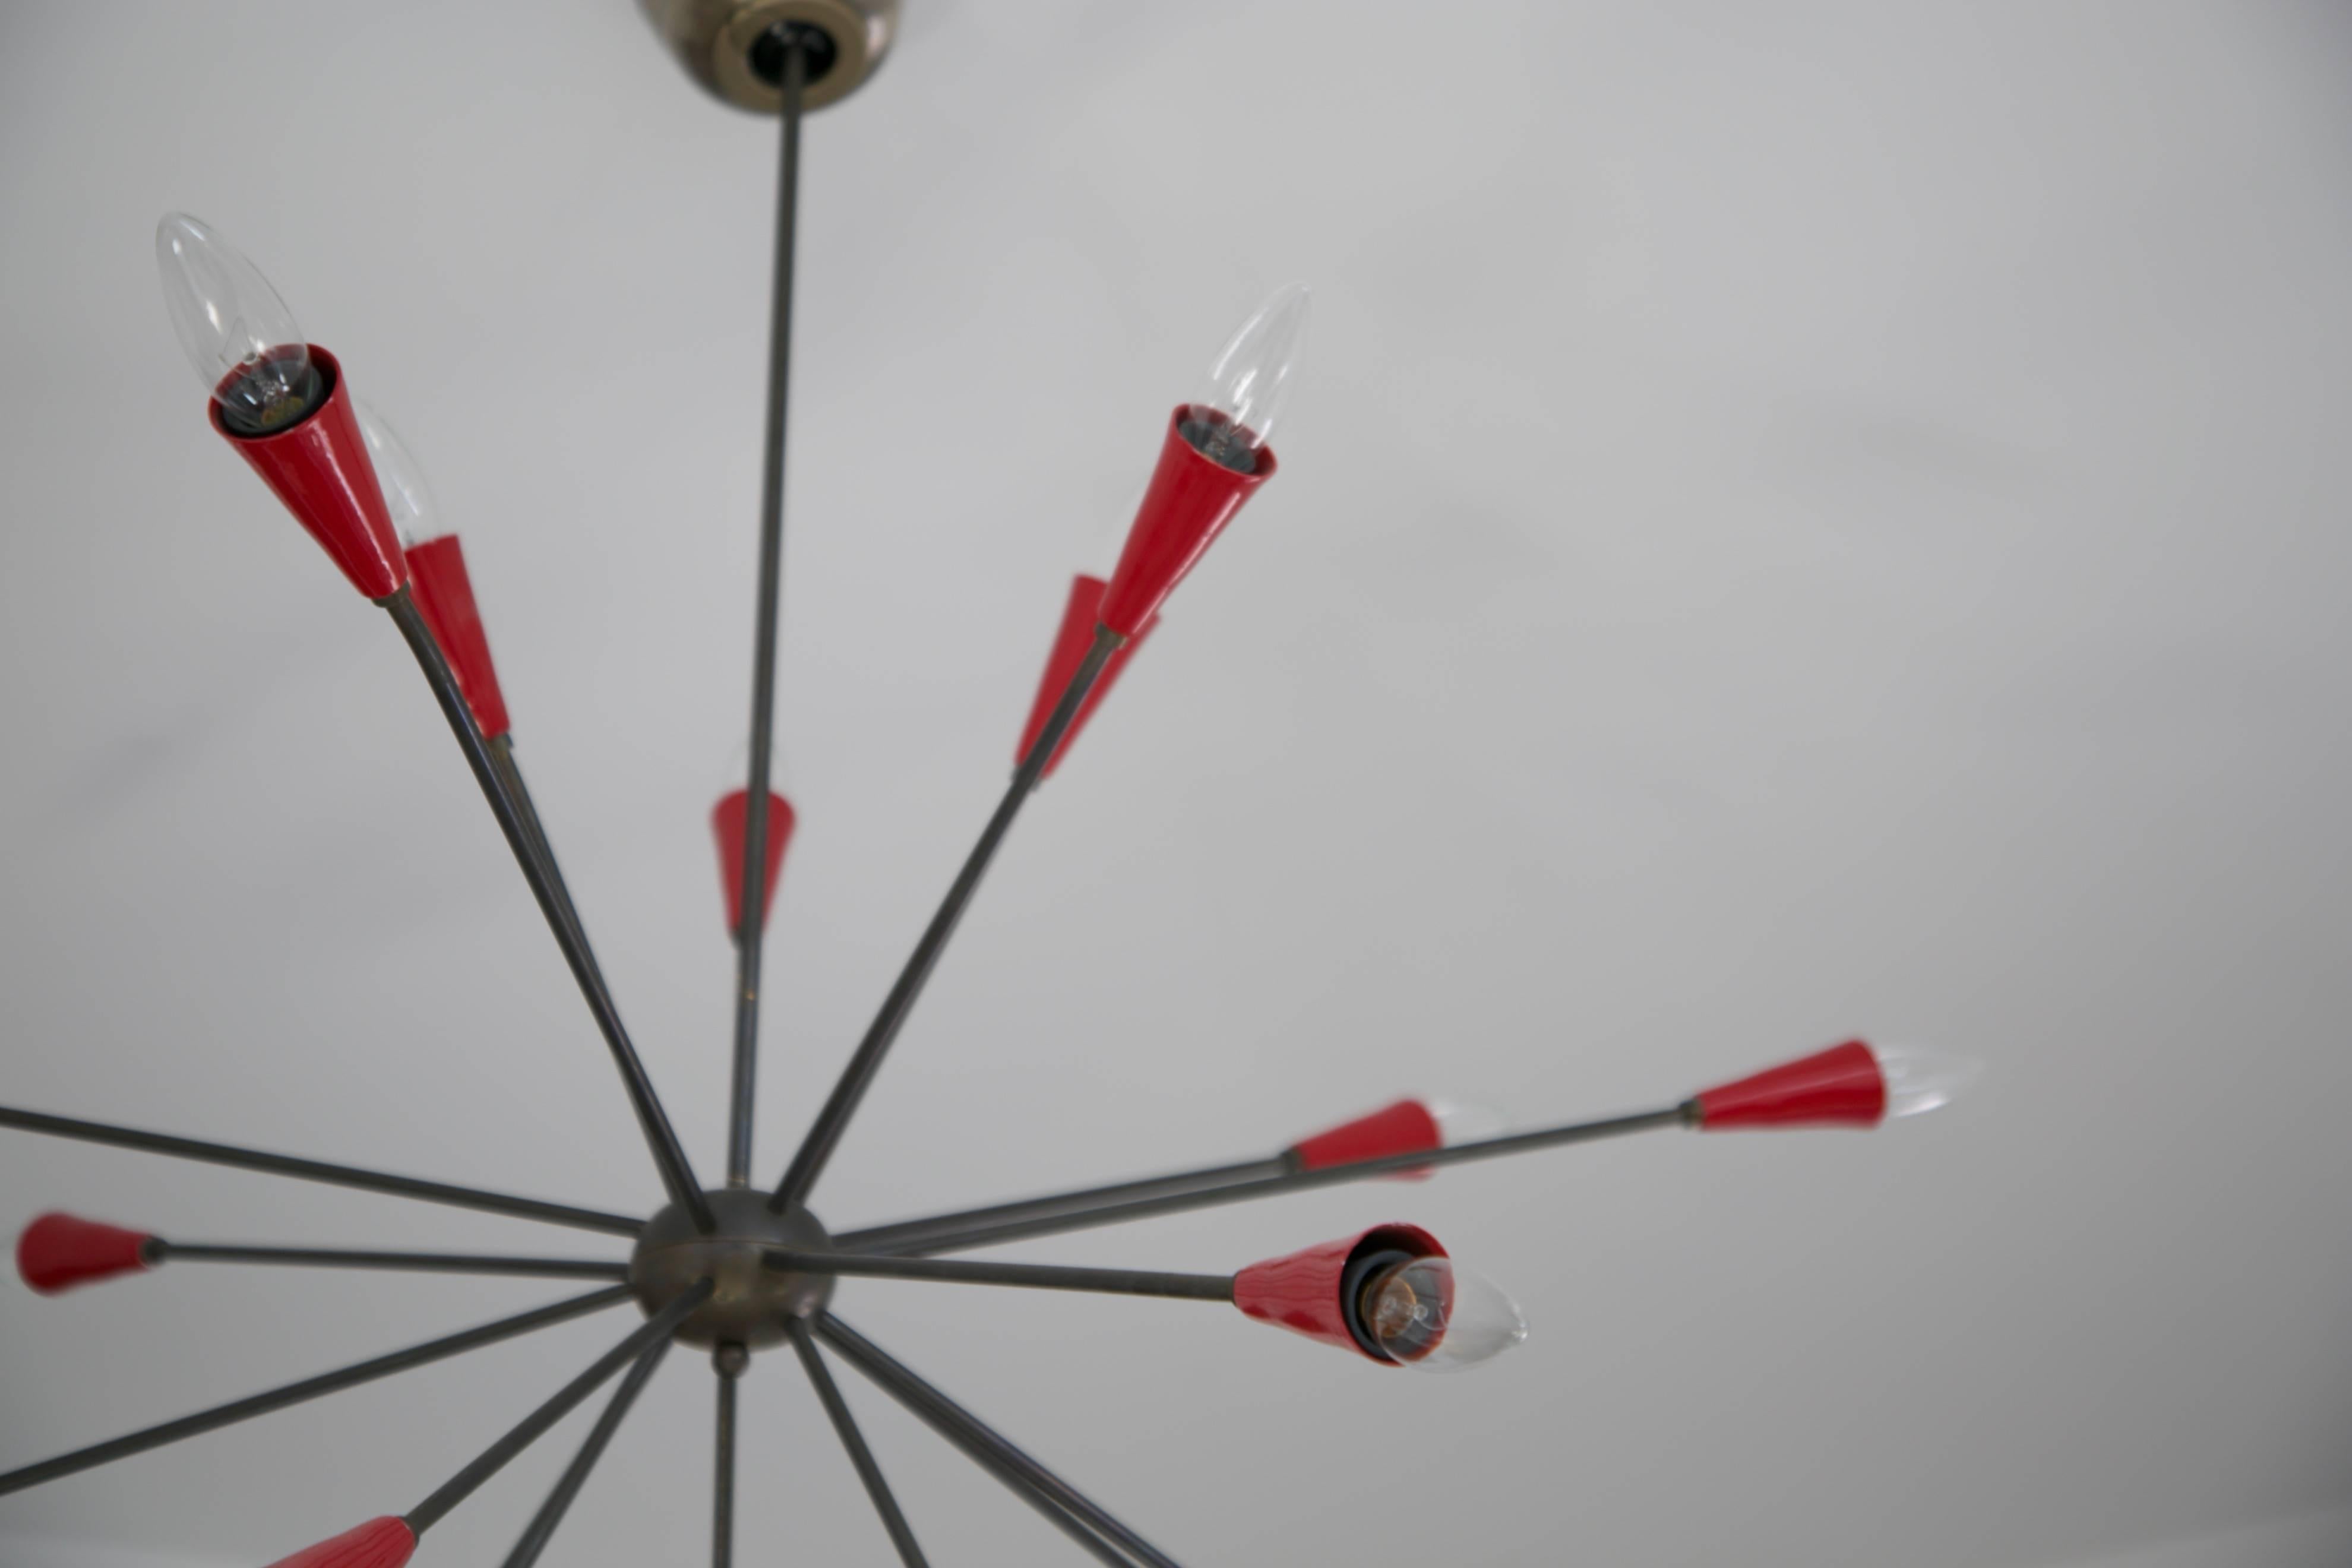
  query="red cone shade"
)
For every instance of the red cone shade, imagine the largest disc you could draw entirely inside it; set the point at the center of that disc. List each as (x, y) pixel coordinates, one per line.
(1302, 1292)
(445, 596)
(58, 1252)
(1079, 618)
(320, 468)
(727, 824)
(1405, 1128)
(385, 1542)
(1840, 1087)
(1190, 499)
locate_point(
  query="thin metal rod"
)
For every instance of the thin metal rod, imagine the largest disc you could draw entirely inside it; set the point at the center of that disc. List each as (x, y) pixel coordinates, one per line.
(913, 1232)
(853, 1442)
(647, 1334)
(510, 773)
(158, 1250)
(318, 1170)
(543, 1526)
(858, 1076)
(1038, 1276)
(976, 1438)
(669, 1155)
(754, 911)
(722, 1475)
(263, 1403)
(989, 1235)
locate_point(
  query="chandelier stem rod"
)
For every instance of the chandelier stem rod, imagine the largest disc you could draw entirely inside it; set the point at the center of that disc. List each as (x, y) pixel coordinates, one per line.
(914, 1232)
(1035, 1276)
(318, 1170)
(989, 1235)
(158, 1251)
(858, 1076)
(238, 1410)
(1082, 1520)
(546, 886)
(509, 776)
(853, 1442)
(543, 1526)
(654, 1331)
(722, 1474)
(752, 912)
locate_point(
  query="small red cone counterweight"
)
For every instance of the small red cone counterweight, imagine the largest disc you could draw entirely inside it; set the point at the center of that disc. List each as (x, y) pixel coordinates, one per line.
(445, 596)
(1407, 1127)
(385, 1542)
(728, 826)
(1840, 1087)
(58, 1252)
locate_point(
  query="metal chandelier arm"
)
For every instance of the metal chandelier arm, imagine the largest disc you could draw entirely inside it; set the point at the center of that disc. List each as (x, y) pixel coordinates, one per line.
(988, 1233)
(158, 1250)
(1035, 1276)
(546, 886)
(858, 1076)
(853, 1441)
(543, 1526)
(752, 913)
(318, 1170)
(907, 1234)
(729, 1362)
(1071, 1511)
(309, 1388)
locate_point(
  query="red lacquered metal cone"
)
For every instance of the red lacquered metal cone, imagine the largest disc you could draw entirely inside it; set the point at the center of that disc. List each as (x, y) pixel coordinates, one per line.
(320, 468)
(58, 1252)
(1306, 1292)
(727, 824)
(1190, 499)
(1840, 1087)
(385, 1542)
(445, 596)
(1079, 618)
(1405, 1128)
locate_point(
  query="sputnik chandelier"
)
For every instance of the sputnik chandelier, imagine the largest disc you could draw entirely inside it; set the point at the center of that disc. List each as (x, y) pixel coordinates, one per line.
(738, 1268)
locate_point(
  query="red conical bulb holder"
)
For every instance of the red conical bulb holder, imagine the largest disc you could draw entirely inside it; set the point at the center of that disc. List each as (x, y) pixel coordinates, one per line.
(385, 1542)
(1408, 1127)
(727, 824)
(1080, 614)
(1306, 1291)
(320, 468)
(58, 1252)
(444, 597)
(1840, 1087)
(1190, 498)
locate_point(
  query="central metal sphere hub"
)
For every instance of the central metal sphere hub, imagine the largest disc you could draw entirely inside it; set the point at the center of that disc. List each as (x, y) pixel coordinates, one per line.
(752, 1300)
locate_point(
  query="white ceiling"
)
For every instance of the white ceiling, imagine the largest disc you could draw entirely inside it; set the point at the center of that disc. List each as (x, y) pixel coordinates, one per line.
(1795, 522)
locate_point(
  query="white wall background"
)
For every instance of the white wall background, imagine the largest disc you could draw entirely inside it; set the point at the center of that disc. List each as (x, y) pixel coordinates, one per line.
(1798, 521)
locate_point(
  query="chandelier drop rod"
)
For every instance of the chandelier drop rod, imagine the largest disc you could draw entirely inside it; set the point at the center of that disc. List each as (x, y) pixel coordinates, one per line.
(669, 1155)
(654, 1331)
(318, 1170)
(1036, 1276)
(988, 1235)
(853, 1441)
(309, 1388)
(728, 1363)
(752, 926)
(1079, 1516)
(158, 1251)
(543, 1526)
(825, 1131)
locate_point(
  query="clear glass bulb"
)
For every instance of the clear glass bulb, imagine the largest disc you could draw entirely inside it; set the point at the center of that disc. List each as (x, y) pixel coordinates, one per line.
(1919, 1081)
(1460, 1122)
(407, 496)
(238, 333)
(1433, 1314)
(1248, 383)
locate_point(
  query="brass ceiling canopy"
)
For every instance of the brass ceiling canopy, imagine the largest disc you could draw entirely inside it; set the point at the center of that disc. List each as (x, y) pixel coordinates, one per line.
(722, 44)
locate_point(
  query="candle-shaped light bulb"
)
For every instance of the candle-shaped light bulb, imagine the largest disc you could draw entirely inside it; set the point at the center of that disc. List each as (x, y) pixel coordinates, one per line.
(406, 497)
(238, 333)
(1433, 1314)
(1919, 1081)
(1236, 414)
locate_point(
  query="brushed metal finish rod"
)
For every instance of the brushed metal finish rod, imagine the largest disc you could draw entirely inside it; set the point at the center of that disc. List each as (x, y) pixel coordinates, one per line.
(158, 1251)
(543, 1526)
(1037, 1276)
(995, 1453)
(722, 1471)
(858, 1076)
(853, 1442)
(1296, 1181)
(751, 929)
(654, 1331)
(510, 771)
(668, 1154)
(318, 1170)
(914, 1232)
(263, 1403)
